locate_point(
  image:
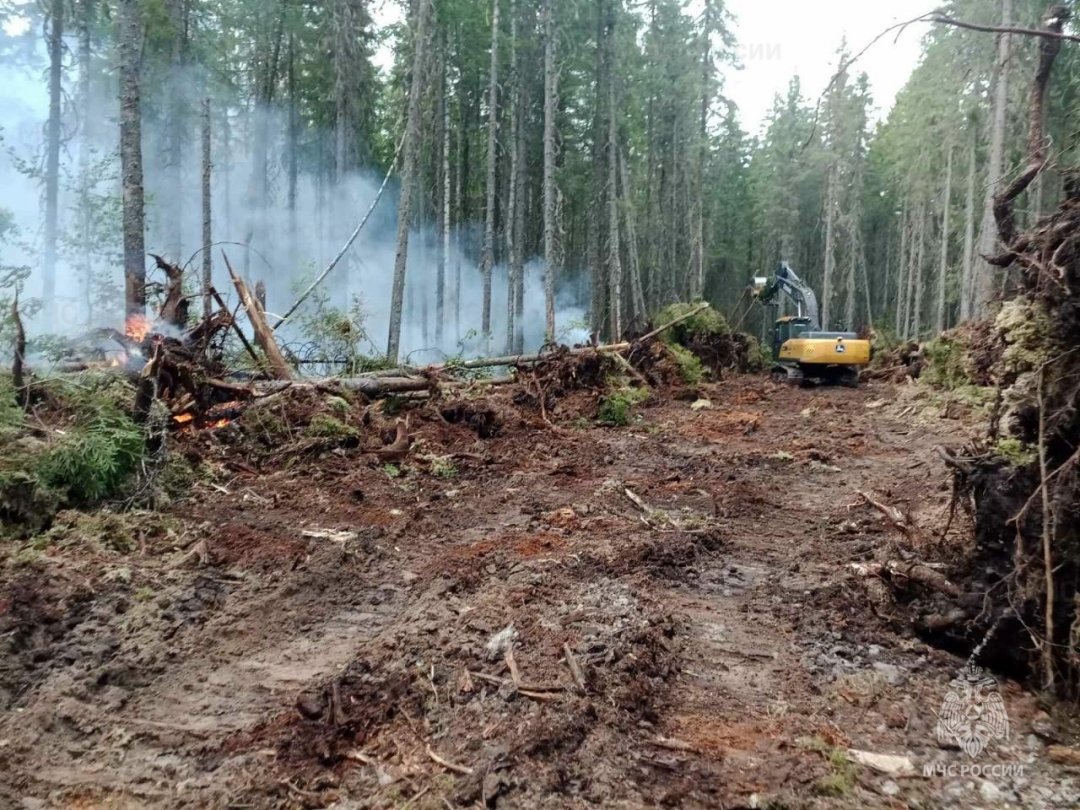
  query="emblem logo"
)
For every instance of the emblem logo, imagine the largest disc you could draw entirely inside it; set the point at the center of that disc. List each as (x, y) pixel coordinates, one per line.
(973, 713)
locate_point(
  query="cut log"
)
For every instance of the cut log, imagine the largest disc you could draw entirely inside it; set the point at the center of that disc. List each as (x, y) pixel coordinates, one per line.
(264, 335)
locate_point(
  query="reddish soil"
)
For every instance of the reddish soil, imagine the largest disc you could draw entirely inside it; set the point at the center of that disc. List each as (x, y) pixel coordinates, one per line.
(344, 643)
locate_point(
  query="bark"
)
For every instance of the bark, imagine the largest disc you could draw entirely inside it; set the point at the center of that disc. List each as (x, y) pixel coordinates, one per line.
(943, 269)
(915, 282)
(519, 179)
(86, 270)
(614, 258)
(637, 293)
(52, 158)
(207, 218)
(408, 178)
(444, 201)
(830, 249)
(264, 335)
(175, 129)
(900, 321)
(969, 238)
(550, 91)
(697, 279)
(131, 171)
(986, 273)
(293, 151)
(487, 253)
(512, 201)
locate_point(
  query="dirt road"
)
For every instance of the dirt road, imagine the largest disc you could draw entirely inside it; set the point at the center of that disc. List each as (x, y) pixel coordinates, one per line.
(560, 615)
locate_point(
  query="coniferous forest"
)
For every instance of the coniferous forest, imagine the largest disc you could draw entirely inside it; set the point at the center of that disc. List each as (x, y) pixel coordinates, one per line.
(494, 404)
(555, 169)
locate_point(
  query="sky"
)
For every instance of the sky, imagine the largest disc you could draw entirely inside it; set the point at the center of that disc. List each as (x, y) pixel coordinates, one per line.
(782, 38)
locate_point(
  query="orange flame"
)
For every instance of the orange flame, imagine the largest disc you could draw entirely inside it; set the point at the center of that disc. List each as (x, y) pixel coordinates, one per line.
(137, 328)
(220, 423)
(184, 418)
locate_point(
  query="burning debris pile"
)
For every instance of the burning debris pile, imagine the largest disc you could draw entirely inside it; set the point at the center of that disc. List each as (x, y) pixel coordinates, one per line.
(107, 424)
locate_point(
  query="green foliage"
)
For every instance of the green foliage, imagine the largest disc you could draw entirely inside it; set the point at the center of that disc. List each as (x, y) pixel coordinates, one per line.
(757, 359)
(392, 470)
(704, 325)
(1016, 452)
(616, 407)
(443, 467)
(945, 369)
(324, 426)
(690, 366)
(96, 457)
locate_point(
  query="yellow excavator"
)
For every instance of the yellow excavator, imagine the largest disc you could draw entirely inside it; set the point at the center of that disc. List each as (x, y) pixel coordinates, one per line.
(802, 351)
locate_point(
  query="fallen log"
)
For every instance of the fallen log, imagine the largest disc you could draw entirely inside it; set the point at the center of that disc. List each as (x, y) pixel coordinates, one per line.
(264, 335)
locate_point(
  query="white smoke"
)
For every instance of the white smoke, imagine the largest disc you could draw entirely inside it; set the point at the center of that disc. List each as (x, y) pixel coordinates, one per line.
(284, 250)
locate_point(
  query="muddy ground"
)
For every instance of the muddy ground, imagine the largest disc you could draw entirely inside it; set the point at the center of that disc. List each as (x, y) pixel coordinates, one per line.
(313, 628)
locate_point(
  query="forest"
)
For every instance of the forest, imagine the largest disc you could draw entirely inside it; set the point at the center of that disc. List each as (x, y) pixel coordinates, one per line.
(580, 154)
(478, 404)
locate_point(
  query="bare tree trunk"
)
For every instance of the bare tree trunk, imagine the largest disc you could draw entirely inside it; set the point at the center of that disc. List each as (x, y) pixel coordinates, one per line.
(174, 138)
(830, 249)
(52, 159)
(487, 252)
(986, 274)
(550, 90)
(943, 269)
(294, 148)
(512, 202)
(408, 178)
(637, 293)
(900, 322)
(131, 171)
(615, 298)
(915, 282)
(207, 220)
(969, 238)
(86, 250)
(444, 200)
(519, 179)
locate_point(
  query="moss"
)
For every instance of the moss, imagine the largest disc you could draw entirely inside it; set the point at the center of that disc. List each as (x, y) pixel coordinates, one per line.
(323, 426)
(338, 405)
(120, 533)
(708, 323)
(1016, 452)
(1025, 328)
(443, 467)
(690, 366)
(945, 368)
(265, 423)
(26, 505)
(616, 407)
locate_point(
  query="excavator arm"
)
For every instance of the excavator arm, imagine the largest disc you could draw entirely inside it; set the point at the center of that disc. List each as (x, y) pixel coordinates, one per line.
(786, 281)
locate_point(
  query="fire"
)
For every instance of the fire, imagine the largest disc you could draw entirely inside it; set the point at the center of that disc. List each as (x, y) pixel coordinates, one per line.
(184, 418)
(138, 327)
(220, 423)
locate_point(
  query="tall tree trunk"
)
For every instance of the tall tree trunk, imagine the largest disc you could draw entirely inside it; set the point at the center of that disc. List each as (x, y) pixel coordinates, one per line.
(175, 125)
(293, 153)
(131, 171)
(512, 202)
(637, 293)
(207, 219)
(52, 158)
(86, 182)
(487, 252)
(408, 178)
(915, 281)
(697, 278)
(595, 247)
(900, 321)
(615, 273)
(986, 274)
(550, 91)
(830, 249)
(444, 199)
(969, 238)
(459, 203)
(943, 269)
(519, 178)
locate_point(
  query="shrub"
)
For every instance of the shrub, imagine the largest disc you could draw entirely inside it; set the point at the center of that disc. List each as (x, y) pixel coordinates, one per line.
(616, 407)
(690, 367)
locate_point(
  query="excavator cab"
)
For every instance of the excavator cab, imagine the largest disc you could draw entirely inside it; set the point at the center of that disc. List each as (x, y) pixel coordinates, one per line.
(788, 329)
